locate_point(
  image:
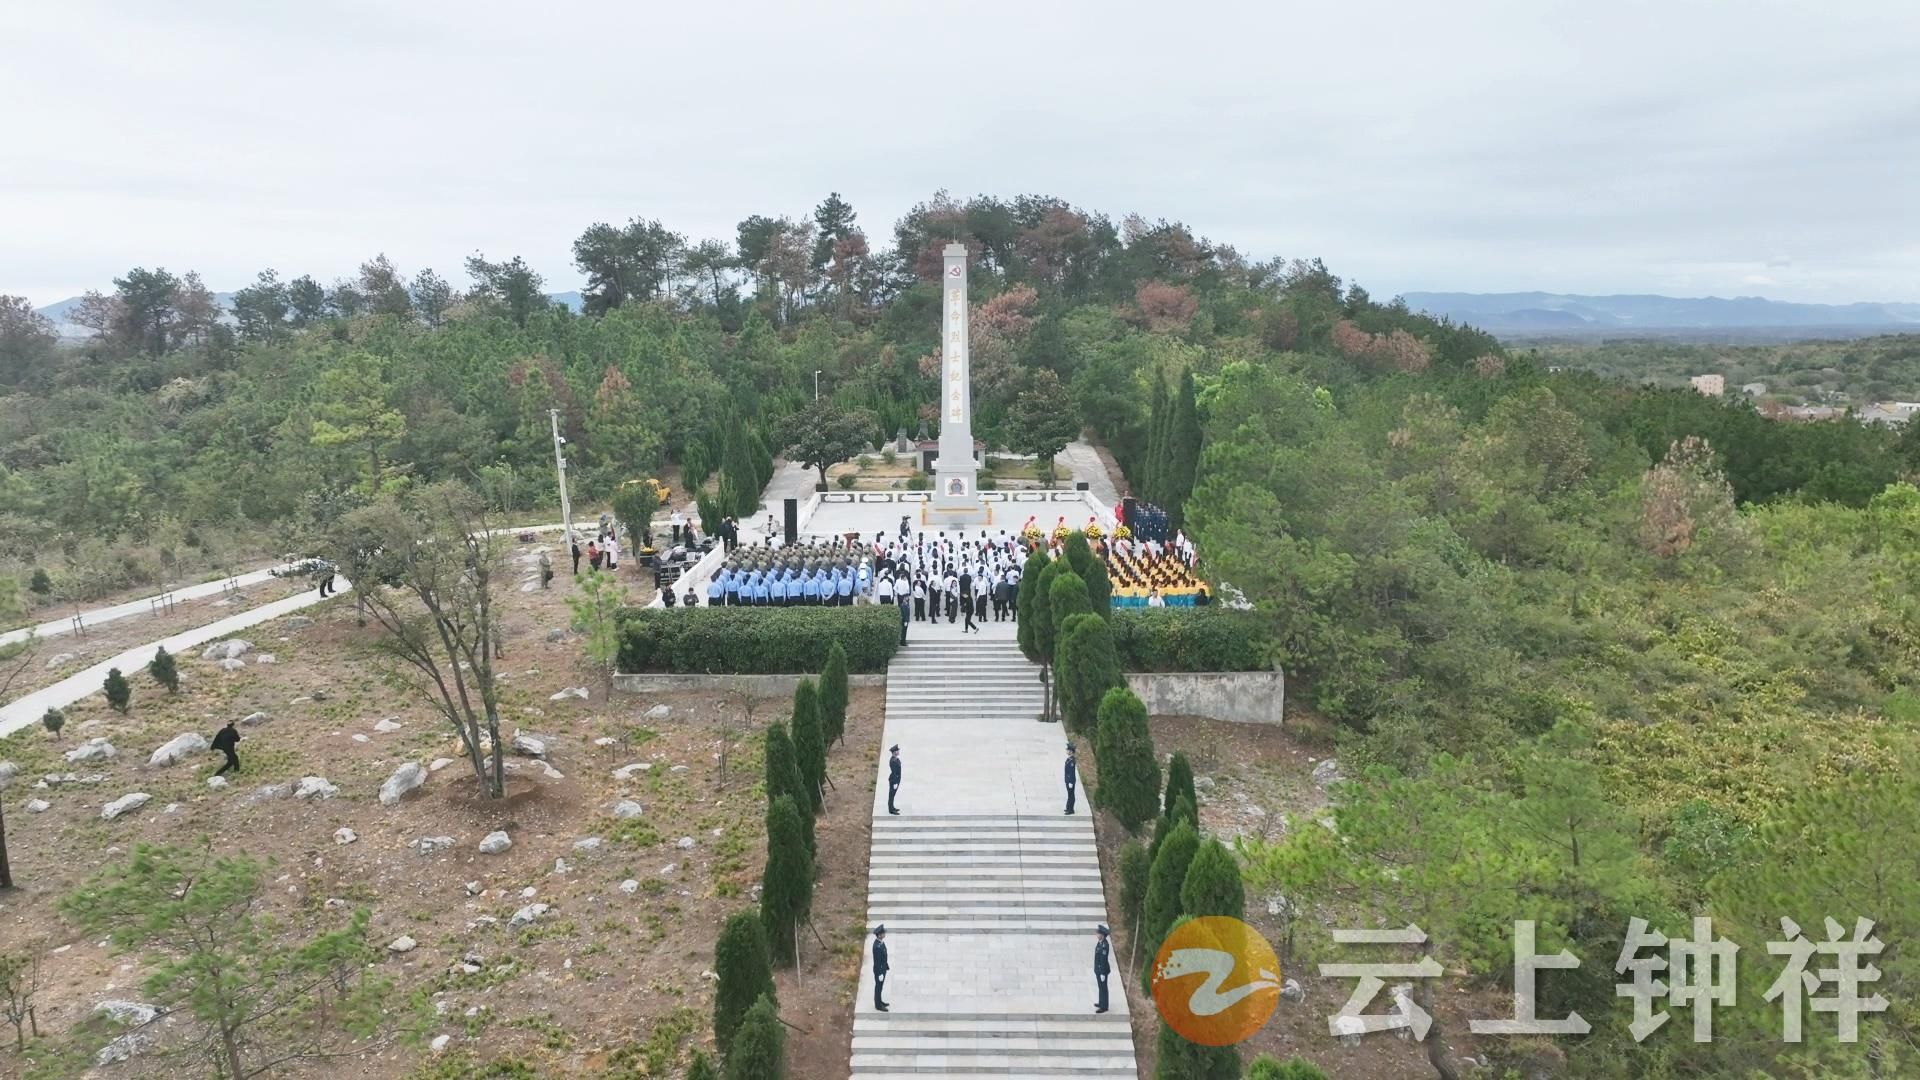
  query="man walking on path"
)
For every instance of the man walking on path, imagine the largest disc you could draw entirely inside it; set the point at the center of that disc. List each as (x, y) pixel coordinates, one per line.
(1100, 970)
(326, 580)
(893, 778)
(573, 542)
(224, 741)
(880, 965)
(903, 618)
(1072, 776)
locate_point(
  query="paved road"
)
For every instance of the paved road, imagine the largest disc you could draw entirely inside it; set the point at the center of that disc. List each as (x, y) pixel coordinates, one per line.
(142, 606)
(1086, 465)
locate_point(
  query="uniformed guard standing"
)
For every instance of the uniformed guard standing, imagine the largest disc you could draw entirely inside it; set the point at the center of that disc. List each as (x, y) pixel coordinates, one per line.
(1072, 776)
(880, 966)
(1099, 968)
(893, 778)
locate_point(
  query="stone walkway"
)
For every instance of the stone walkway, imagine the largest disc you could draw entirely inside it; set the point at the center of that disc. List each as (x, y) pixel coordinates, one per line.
(990, 894)
(145, 605)
(1085, 462)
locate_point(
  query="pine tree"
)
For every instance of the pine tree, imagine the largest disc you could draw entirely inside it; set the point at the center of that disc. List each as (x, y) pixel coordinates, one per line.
(1088, 669)
(1077, 553)
(745, 970)
(1164, 882)
(784, 776)
(1178, 1059)
(1066, 596)
(164, 670)
(1135, 866)
(1100, 589)
(810, 745)
(119, 694)
(1183, 810)
(759, 1046)
(786, 892)
(53, 720)
(834, 695)
(1027, 604)
(1179, 783)
(1036, 621)
(1213, 885)
(1183, 451)
(761, 457)
(1155, 465)
(1123, 749)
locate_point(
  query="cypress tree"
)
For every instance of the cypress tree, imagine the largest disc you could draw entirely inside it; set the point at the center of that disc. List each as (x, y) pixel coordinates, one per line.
(1028, 606)
(702, 1067)
(1266, 1068)
(1088, 669)
(760, 456)
(1123, 749)
(745, 970)
(1100, 589)
(1179, 783)
(786, 892)
(1183, 450)
(760, 1046)
(1154, 466)
(1182, 811)
(164, 670)
(810, 745)
(1213, 885)
(834, 696)
(1178, 1059)
(1164, 882)
(1077, 553)
(1135, 865)
(784, 776)
(119, 694)
(1066, 595)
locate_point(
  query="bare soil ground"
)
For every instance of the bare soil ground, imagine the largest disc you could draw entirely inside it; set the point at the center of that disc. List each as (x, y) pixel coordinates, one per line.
(606, 984)
(1249, 778)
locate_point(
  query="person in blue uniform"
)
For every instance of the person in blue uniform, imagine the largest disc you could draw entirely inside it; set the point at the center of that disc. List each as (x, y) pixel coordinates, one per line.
(1072, 777)
(893, 778)
(880, 968)
(1100, 970)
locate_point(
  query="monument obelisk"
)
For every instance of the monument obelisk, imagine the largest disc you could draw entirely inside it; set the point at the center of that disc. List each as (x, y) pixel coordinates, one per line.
(956, 496)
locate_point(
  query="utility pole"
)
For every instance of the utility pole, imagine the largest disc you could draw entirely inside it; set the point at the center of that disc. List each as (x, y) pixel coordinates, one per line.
(560, 469)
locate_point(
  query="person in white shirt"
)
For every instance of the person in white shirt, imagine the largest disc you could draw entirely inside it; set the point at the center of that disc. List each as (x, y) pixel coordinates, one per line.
(950, 589)
(1154, 599)
(679, 521)
(883, 588)
(613, 551)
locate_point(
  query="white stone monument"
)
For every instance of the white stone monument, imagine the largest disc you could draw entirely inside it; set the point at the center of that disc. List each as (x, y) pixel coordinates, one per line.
(956, 494)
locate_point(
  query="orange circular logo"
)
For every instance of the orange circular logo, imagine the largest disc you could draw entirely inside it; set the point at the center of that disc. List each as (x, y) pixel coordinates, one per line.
(1215, 980)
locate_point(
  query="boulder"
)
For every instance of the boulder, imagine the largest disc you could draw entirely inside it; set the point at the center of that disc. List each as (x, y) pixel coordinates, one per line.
(360, 737)
(528, 745)
(8, 770)
(172, 808)
(181, 745)
(591, 843)
(254, 718)
(551, 773)
(92, 750)
(561, 866)
(627, 808)
(439, 763)
(389, 724)
(439, 1043)
(625, 772)
(402, 944)
(233, 665)
(230, 649)
(578, 692)
(315, 787)
(124, 803)
(685, 843)
(495, 842)
(552, 636)
(1327, 772)
(659, 712)
(216, 782)
(404, 779)
(269, 792)
(344, 835)
(427, 845)
(122, 1048)
(38, 806)
(473, 888)
(265, 658)
(127, 1013)
(58, 659)
(527, 914)
(630, 886)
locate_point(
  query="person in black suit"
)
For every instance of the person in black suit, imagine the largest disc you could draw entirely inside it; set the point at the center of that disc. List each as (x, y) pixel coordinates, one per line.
(1072, 776)
(893, 778)
(880, 967)
(1099, 969)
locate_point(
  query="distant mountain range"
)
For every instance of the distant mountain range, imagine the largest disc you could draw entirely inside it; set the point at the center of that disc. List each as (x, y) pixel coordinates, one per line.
(1547, 314)
(61, 312)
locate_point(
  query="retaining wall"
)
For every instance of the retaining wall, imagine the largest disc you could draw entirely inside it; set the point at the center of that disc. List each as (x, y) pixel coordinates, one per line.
(1245, 697)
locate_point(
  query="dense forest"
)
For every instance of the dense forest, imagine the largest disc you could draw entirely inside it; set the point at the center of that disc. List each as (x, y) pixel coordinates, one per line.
(1854, 372)
(1645, 652)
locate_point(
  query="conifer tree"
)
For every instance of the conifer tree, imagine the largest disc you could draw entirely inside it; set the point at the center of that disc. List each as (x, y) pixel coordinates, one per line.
(1123, 749)
(1213, 885)
(1184, 437)
(1179, 783)
(1164, 883)
(809, 745)
(1100, 589)
(1066, 596)
(119, 694)
(1088, 669)
(1029, 606)
(784, 776)
(1183, 810)
(1077, 553)
(701, 1067)
(786, 891)
(834, 695)
(1135, 866)
(164, 670)
(745, 969)
(1177, 1059)
(759, 1046)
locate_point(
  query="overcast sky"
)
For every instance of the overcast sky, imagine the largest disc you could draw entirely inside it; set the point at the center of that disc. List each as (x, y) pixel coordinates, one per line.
(1682, 147)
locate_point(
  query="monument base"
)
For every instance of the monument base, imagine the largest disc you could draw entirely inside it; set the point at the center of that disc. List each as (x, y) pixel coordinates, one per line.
(956, 500)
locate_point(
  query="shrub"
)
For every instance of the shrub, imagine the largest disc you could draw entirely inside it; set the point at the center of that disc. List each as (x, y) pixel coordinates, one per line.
(786, 893)
(760, 1046)
(1183, 810)
(1129, 772)
(1179, 783)
(846, 481)
(1078, 555)
(1135, 865)
(119, 694)
(53, 720)
(756, 640)
(1066, 596)
(1213, 884)
(1266, 1068)
(834, 695)
(710, 513)
(1164, 883)
(1190, 639)
(745, 971)
(809, 745)
(1178, 1059)
(1087, 669)
(887, 455)
(40, 584)
(701, 1067)
(988, 483)
(164, 670)
(919, 481)
(784, 776)
(1100, 589)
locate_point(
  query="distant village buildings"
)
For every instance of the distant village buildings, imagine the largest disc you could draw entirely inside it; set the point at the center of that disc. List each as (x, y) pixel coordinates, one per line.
(1710, 385)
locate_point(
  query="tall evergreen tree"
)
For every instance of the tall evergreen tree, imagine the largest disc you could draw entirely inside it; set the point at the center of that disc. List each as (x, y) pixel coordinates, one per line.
(1077, 553)
(1066, 597)
(759, 1046)
(1179, 783)
(1028, 605)
(786, 891)
(810, 744)
(1152, 471)
(1123, 749)
(834, 695)
(1213, 885)
(1177, 1059)
(1100, 589)
(784, 776)
(1088, 668)
(1183, 451)
(1183, 811)
(1164, 882)
(744, 967)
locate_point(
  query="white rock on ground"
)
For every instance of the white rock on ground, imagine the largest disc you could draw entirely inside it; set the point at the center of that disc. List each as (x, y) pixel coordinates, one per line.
(130, 1013)
(8, 770)
(495, 843)
(527, 914)
(427, 845)
(440, 1042)
(315, 787)
(473, 888)
(91, 750)
(1327, 772)
(266, 792)
(551, 773)
(528, 745)
(216, 782)
(124, 803)
(359, 737)
(576, 692)
(439, 763)
(685, 843)
(230, 649)
(402, 944)
(627, 808)
(38, 806)
(625, 772)
(630, 886)
(233, 665)
(659, 712)
(57, 659)
(122, 1048)
(605, 740)
(344, 835)
(388, 724)
(529, 893)
(254, 718)
(591, 843)
(404, 779)
(265, 658)
(560, 866)
(177, 748)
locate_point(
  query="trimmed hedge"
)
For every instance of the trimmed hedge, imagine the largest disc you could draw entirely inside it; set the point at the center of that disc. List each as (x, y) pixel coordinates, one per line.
(756, 641)
(1190, 639)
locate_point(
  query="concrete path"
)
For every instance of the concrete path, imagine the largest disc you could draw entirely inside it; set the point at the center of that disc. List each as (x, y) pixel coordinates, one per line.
(989, 892)
(1085, 462)
(146, 605)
